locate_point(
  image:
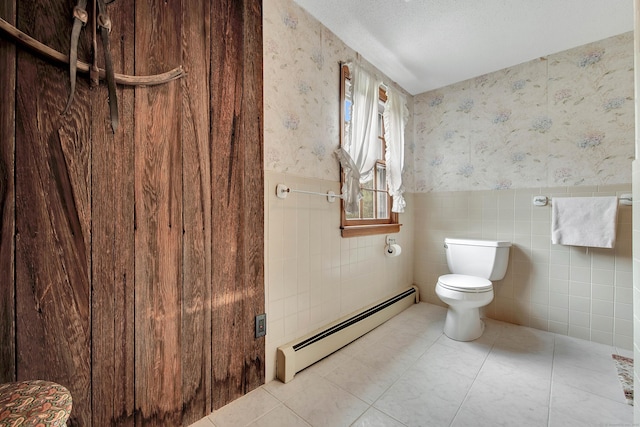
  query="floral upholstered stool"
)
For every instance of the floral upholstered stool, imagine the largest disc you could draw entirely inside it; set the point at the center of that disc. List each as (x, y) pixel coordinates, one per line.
(34, 403)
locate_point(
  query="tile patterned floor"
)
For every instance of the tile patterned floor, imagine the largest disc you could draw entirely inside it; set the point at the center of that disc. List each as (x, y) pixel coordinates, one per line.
(407, 373)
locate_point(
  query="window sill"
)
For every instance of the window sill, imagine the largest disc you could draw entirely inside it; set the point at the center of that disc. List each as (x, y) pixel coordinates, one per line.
(369, 230)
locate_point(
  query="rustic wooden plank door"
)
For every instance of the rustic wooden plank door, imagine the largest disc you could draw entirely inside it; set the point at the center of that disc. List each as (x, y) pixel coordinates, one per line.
(134, 261)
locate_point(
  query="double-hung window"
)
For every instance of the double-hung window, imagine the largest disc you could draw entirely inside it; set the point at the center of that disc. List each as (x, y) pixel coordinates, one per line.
(373, 213)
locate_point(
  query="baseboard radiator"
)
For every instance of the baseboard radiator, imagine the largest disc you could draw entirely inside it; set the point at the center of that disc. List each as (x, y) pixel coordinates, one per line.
(305, 351)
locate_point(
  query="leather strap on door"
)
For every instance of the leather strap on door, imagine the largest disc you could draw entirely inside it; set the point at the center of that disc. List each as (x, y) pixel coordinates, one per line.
(104, 25)
(80, 18)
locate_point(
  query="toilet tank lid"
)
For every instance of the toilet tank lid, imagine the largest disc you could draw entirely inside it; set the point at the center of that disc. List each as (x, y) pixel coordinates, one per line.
(476, 242)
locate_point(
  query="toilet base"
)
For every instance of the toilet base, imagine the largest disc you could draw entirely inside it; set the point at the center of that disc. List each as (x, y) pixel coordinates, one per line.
(463, 325)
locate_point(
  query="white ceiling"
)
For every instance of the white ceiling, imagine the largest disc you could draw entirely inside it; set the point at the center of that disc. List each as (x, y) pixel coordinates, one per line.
(427, 44)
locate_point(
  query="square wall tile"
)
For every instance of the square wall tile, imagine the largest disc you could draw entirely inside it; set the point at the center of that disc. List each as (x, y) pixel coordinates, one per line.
(602, 323)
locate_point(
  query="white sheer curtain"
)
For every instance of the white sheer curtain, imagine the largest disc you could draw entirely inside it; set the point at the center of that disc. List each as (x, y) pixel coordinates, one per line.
(351, 186)
(395, 116)
(358, 156)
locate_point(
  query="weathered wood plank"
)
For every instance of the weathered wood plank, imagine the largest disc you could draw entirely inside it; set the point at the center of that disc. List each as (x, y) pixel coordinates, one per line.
(253, 182)
(113, 237)
(53, 213)
(7, 199)
(227, 237)
(238, 287)
(196, 310)
(158, 237)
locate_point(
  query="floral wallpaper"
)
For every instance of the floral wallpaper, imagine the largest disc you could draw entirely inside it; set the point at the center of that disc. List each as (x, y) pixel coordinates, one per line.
(566, 119)
(563, 120)
(302, 91)
(301, 67)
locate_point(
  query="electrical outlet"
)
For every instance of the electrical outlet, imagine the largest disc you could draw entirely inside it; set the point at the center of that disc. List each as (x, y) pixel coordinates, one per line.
(261, 325)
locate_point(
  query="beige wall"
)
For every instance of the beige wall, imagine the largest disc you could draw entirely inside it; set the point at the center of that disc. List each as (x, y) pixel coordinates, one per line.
(313, 275)
(550, 287)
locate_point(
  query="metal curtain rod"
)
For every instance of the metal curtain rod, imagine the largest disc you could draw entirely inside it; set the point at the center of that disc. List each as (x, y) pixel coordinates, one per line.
(282, 191)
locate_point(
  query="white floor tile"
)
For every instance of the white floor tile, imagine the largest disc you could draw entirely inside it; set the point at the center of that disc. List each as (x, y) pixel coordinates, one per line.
(299, 384)
(329, 363)
(375, 418)
(410, 343)
(244, 410)
(362, 380)
(507, 402)
(425, 396)
(604, 384)
(205, 422)
(531, 342)
(502, 366)
(573, 407)
(393, 361)
(324, 404)
(516, 383)
(281, 416)
(571, 351)
(447, 361)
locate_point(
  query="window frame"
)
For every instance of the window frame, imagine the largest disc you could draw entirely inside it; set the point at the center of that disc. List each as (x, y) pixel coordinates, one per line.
(364, 227)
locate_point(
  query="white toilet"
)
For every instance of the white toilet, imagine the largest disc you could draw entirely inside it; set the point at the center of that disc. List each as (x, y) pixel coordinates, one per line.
(474, 263)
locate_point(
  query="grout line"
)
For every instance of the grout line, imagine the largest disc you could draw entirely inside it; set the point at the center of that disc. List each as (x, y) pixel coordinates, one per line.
(464, 399)
(553, 363)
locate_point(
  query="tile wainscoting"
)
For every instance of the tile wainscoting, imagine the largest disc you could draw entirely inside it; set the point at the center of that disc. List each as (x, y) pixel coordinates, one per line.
(313, 276)
(566, 290)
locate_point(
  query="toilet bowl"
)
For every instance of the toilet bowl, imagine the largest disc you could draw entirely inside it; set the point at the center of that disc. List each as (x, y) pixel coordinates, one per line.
(464, 295)
(473, 264)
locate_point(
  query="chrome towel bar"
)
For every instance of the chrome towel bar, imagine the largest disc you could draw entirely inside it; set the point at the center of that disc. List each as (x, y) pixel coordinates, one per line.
(624, 199)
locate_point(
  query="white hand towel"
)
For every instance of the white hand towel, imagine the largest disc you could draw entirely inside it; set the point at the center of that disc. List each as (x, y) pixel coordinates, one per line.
(584, 221)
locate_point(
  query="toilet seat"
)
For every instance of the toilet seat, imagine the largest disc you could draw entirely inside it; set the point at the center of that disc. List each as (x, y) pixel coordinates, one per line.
(464, 283)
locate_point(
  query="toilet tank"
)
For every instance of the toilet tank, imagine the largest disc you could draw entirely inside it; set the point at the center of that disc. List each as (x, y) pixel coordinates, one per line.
(483, 258)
